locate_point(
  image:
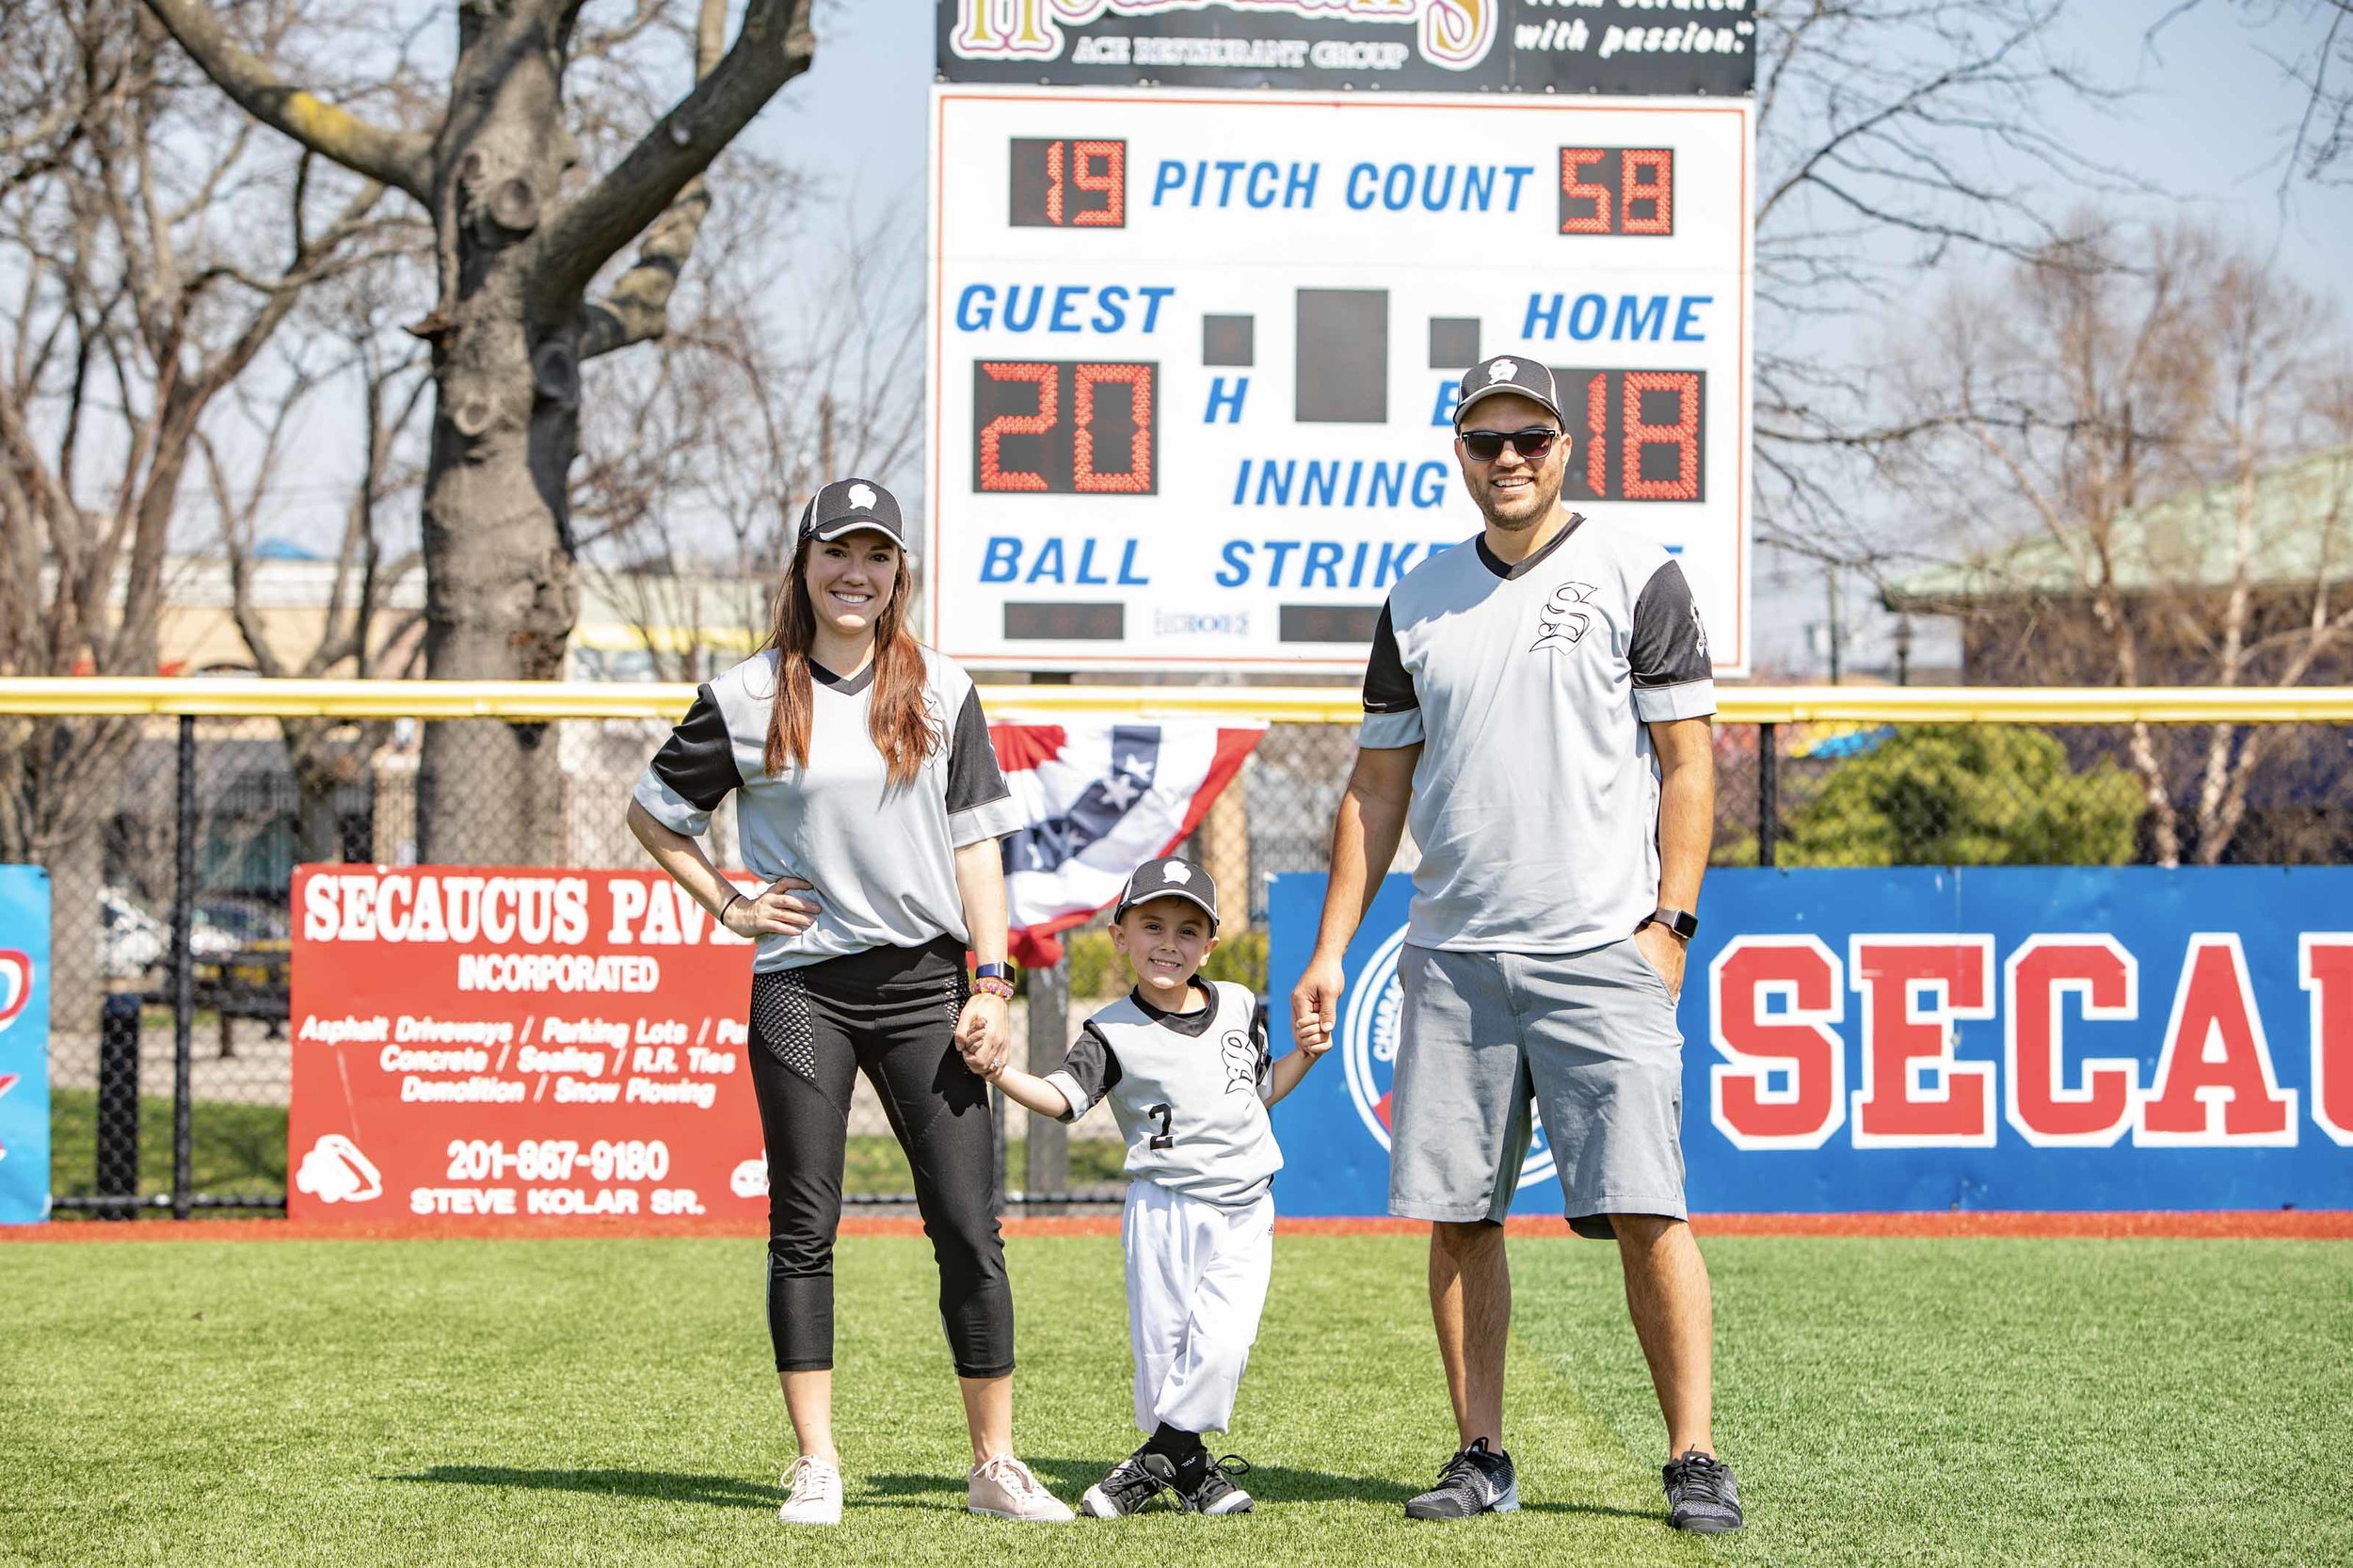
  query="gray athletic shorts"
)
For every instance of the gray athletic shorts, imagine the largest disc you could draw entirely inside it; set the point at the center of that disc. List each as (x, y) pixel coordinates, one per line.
(1590, 1036)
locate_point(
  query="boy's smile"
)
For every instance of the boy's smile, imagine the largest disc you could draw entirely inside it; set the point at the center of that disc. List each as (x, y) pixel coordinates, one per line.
(1166, 941)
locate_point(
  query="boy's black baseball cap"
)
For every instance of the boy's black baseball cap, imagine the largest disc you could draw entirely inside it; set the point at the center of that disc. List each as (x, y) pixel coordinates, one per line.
(1171, 877)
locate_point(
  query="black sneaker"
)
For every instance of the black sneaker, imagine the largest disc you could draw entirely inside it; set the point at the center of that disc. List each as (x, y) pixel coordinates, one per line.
(1131, 1485)
(1702, 1496)
(1477, 1481)
(1203, 1486)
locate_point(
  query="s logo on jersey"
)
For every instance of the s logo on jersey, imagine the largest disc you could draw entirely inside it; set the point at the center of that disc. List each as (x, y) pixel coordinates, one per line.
(1371, 1029)
(1566, 617)
(1242, 1063)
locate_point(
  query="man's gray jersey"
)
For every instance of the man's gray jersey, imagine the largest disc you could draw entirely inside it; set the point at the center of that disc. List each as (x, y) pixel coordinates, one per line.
(1536, 795)
(1187, 1090)
(882, 857)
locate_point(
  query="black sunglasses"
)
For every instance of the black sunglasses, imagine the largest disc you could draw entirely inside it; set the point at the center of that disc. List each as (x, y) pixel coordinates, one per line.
(1485, 446)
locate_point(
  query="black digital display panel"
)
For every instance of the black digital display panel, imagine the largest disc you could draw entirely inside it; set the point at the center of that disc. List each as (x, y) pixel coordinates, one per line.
(1065, 427)
(1635, 435)
(1069, 183)
(1059, 620)
(1328, 623)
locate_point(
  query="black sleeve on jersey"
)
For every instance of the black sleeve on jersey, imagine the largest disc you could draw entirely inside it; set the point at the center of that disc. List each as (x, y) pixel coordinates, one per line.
(1091, 1065)
(973, 777)
(1258, 1044)
(1387, 688)
(698, 762)
(1670, 645)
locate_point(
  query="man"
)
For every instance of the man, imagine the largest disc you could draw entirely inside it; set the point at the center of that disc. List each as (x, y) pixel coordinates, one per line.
(1537, 706)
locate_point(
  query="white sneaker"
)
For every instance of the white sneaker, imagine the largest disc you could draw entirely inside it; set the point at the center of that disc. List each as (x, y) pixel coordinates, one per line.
(814, 1492)
(1004, 1488)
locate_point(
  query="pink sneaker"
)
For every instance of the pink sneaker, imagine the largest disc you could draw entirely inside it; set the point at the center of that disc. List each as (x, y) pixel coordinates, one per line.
(1004, 1488)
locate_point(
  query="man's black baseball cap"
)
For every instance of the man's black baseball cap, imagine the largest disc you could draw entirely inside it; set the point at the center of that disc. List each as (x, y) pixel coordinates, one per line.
(1172, 877)
(1508, 373)
(847, 505)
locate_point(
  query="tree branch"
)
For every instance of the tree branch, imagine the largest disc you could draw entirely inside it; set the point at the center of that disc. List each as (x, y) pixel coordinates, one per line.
(400, 159)
(773, 45)
(638, 307)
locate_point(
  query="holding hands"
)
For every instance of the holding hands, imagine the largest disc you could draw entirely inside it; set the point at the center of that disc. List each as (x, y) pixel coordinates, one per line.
(984, 1034)
(1314, 1004)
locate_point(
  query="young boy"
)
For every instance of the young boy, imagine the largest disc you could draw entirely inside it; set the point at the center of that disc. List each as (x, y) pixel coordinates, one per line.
(1185, 1063)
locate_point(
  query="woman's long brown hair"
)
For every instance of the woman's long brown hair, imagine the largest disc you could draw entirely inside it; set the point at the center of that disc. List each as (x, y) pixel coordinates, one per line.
(902, 728)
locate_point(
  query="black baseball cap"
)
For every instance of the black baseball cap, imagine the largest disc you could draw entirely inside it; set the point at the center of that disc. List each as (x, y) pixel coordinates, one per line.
(1171, 877)
(847, 505)
(1508, 373)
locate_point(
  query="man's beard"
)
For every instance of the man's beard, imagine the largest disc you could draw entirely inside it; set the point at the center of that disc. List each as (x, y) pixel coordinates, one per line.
(1520, 524)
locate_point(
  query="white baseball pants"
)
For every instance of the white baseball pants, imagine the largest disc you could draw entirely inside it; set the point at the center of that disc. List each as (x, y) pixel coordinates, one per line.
(1196, 1286)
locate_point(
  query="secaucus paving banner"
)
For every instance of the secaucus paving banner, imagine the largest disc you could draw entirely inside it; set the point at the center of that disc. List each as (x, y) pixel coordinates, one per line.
(1931, 1038)
(1612, 46)
(500, 1042)
(23, 1044)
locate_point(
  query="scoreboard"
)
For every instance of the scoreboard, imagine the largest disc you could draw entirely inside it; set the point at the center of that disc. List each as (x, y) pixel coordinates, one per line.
(1194, 355)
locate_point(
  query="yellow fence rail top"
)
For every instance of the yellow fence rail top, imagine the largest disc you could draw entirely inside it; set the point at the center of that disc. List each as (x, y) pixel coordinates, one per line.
(532, 701)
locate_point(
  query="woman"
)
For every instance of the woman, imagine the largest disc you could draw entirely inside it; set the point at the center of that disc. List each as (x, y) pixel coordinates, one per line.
(871, 805)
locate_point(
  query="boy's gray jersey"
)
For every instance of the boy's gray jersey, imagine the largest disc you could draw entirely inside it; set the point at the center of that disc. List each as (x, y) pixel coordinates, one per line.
(1187, 1090)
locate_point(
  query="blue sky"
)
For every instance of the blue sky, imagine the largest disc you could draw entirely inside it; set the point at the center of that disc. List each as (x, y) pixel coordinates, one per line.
(2208, 121)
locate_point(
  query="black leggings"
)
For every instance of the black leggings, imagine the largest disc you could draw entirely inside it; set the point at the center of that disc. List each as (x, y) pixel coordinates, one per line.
(891, 1012)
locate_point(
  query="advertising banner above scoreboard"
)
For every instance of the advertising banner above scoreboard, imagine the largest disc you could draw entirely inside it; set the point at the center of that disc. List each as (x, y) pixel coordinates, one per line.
(1685, 47)
(1924, 1038)
(487, 1043)
(1195, 355)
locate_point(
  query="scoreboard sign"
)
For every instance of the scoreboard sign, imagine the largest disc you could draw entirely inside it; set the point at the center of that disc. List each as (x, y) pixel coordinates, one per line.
(1194, 355)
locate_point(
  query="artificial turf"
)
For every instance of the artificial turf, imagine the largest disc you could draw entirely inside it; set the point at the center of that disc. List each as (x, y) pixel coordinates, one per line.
(608, 1401)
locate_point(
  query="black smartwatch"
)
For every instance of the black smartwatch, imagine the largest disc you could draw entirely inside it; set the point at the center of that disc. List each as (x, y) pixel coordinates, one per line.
(993, 971)
(1681, 924)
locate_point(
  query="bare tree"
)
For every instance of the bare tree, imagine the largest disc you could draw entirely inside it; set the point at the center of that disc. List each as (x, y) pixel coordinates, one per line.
(1892, 138)
(151, 252)
(361, 632)
(2167, 414)
(708, 447)
(519, 246)
(2317, 62)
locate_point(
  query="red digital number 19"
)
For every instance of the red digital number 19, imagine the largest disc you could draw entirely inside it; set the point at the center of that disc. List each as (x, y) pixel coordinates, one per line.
(1099, 167)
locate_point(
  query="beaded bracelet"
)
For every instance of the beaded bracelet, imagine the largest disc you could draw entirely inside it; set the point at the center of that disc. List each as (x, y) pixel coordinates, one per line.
(990, 986)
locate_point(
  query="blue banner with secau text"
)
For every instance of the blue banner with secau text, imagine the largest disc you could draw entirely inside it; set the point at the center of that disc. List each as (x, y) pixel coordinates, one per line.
(1931, 1038)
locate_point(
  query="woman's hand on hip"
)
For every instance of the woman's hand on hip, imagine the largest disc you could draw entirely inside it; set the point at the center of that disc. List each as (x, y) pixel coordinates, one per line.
(984, 1033)
(785, 907)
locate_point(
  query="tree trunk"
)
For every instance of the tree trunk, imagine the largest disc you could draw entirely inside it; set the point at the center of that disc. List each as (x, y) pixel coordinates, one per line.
(501, 588)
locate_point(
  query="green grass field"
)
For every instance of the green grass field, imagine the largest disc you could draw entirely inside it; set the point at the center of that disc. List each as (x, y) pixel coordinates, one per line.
(483, 1403)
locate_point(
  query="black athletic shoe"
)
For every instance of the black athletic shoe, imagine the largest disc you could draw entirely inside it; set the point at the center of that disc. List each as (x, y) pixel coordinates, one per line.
(1478, 1479)
(1129, 1486)
(1202, 1485)
(1702, 1496)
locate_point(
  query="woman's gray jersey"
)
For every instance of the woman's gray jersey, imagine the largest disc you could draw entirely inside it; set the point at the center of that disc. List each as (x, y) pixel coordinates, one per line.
(1535, 798)
(882, 859)
(1187, 1090)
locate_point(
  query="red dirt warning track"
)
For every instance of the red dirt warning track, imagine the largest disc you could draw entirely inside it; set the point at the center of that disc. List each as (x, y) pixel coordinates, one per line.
(2296, 1225)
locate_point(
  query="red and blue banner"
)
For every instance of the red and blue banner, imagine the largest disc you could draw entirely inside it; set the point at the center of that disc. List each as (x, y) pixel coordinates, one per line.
(23, 1044)
(1929, 1038)
(1098, 798)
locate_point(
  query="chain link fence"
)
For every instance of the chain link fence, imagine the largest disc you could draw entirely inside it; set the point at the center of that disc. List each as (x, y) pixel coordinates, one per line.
(172, 1060)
